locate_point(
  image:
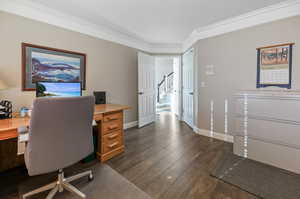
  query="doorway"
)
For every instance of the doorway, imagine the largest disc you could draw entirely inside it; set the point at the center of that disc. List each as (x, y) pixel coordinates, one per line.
(159, 87)
(167, 75)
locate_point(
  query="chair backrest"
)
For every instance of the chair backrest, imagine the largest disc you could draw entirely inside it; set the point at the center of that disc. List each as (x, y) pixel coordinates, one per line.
(60, 133)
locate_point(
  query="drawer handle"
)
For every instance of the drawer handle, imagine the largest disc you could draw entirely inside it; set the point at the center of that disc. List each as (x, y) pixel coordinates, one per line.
(113, 145)
(113, 127)
(111, 118)
(112, 136)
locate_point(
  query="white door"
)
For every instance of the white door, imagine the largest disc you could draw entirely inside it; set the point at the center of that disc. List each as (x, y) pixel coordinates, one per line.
(188, 88)
(146, 89)
(176, 86)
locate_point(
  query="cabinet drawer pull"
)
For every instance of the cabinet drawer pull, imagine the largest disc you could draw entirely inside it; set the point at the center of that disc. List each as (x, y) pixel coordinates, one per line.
(111, 127)
(113, 145)
(112, 136)
(111, 118)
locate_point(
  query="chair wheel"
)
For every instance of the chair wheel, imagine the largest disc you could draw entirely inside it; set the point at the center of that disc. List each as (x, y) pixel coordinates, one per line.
(91, 177)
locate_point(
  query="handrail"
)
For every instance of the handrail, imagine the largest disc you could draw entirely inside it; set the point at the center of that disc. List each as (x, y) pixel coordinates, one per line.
(162, 81)
(170, 74)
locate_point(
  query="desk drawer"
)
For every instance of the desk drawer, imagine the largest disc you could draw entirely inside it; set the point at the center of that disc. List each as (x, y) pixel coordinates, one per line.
(112, 137)
(112, 126)
(113, 117)
(111, 144)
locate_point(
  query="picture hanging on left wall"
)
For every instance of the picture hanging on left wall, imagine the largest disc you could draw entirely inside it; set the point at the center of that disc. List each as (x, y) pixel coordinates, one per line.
(40, 63)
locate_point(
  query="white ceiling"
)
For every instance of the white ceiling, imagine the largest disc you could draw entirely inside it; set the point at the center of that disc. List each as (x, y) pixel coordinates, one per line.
(155, 26)
(156, 21)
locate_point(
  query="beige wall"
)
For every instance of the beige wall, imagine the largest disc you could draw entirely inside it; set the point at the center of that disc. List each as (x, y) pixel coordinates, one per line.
(234, 58)
(113, 67)
(110, 67)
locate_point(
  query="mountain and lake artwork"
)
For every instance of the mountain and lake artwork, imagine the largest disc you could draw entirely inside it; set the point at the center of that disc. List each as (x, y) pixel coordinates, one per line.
(43, 64)
(47, 67)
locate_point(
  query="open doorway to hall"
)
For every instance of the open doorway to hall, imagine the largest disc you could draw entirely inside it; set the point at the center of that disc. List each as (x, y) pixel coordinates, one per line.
(167, 75)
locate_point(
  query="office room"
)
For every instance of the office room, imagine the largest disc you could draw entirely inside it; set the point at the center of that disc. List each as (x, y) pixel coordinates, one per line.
(89, 109)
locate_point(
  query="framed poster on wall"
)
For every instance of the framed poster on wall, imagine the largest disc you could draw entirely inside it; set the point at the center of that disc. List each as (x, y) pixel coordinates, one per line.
(40, 63)
(274, 66)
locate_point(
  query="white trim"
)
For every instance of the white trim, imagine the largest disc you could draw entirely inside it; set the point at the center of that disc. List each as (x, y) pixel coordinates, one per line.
(260, 16)
(130, 125)
(113, 33)
(165, 48)
(180, 90)
(216, 135)
(108, 31)
(193, 122)
(196, 87)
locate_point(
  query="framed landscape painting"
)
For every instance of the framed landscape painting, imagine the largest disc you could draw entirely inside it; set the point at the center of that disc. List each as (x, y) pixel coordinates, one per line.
(46, 64)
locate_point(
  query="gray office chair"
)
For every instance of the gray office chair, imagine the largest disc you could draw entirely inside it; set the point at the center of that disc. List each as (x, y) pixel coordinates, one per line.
(60, 134)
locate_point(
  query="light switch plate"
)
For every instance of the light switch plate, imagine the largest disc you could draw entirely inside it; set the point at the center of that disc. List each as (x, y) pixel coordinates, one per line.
(210, 70)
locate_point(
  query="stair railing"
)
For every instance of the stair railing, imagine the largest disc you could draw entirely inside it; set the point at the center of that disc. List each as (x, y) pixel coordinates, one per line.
(165, 85)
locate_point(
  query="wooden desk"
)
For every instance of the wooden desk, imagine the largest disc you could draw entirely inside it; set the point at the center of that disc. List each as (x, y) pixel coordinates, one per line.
(109, 118)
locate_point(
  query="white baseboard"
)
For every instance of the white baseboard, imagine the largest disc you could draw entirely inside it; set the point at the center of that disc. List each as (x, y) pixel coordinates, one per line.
(130, 125)
(216, 135)
(204, 132)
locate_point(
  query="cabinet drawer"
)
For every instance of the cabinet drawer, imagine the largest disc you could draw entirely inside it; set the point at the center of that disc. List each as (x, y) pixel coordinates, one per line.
(110, 145)
(112, 126)
(112, 137)
(113, 117)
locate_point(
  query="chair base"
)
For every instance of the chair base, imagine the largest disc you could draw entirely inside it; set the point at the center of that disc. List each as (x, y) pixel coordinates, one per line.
(60, 185)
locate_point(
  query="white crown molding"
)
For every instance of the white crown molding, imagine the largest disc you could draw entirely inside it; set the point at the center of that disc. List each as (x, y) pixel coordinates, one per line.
(112, 33)
(260, 16)
(166, 48)
(44, 14)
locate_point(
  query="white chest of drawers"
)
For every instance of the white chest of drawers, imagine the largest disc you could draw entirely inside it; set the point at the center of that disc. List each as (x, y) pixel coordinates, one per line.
(267, 127)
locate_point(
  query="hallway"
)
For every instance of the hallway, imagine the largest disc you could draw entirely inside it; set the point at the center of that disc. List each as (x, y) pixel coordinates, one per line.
(168, 160)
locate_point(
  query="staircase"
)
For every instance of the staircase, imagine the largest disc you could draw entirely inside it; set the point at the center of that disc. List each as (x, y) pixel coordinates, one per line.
(164, 91)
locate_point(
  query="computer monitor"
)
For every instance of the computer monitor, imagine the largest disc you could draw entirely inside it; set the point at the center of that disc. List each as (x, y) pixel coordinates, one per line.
(58, 89)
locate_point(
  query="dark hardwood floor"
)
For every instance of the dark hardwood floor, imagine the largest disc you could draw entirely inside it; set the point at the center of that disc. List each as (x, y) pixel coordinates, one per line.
(168, 160)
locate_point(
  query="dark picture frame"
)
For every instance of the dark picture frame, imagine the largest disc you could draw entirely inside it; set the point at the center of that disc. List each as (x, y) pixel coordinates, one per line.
(41, 63)
(275, 55)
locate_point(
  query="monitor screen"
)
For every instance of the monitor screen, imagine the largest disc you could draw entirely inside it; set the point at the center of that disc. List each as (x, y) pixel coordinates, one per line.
(58, 89)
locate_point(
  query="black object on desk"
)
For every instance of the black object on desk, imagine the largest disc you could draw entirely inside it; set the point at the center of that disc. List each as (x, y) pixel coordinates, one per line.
(5, 109)
(100, 97)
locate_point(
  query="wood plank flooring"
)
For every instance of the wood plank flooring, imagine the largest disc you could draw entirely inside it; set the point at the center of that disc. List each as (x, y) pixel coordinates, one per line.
(168, 160)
